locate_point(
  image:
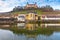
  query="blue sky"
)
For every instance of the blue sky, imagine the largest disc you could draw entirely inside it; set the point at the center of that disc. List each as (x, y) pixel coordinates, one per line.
(8, 5)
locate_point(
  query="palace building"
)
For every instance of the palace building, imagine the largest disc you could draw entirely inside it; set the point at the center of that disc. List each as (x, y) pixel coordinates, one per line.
(31, 6)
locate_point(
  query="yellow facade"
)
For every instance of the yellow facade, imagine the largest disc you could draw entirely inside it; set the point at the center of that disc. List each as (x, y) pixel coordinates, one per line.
(36, 17)
(31, 16)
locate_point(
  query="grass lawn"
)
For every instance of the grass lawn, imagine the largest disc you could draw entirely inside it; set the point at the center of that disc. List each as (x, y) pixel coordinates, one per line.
(26, 11)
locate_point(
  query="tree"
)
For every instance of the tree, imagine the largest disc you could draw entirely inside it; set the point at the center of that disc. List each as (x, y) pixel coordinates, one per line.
(47, 8)
(18, 8)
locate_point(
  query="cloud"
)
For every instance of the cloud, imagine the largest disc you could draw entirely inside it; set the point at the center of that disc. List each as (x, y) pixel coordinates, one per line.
(8, 5)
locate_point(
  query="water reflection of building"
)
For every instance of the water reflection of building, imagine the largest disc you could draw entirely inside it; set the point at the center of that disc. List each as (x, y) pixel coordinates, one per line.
(27, 26)
(50, 25)
(31, 26)
(21, 25)
(31, 37)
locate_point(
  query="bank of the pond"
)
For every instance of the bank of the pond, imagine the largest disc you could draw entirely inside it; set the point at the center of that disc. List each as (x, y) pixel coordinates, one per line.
(44, 31)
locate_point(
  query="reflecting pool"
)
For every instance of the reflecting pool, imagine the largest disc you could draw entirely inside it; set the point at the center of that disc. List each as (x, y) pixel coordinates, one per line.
(29, 31)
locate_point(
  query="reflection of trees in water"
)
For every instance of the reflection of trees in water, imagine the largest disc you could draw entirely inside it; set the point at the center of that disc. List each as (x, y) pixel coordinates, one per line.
(39, 30)
(45, 31)
(34, 32)
(31, 37)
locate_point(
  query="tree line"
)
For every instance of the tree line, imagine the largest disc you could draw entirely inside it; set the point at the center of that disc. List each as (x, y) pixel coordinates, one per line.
(46, 8)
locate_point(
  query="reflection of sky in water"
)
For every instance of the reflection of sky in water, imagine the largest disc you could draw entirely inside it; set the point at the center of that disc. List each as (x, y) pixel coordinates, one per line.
(54, 36)
(19, 37)
(6, 35)
(9, 35)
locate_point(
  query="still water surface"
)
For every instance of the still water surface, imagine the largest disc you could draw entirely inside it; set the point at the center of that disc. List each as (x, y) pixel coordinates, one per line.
(23, 31)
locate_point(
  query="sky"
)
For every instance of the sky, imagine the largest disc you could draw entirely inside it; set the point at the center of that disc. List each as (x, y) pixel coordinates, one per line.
(8, 5)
